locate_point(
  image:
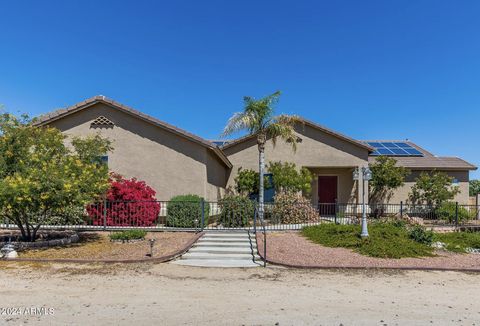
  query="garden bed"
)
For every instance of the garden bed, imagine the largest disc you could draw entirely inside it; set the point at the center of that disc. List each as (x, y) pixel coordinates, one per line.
(293, 249)
(45, 239)
(97, 246)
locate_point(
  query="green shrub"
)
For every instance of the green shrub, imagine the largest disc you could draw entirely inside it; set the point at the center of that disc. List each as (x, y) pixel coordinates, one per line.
(235, 211)
(128, 235)
(447, 211)
(421, 235)
(399, 223)
(459, 241)
(385, 241)
(290, 208)
(183, 210)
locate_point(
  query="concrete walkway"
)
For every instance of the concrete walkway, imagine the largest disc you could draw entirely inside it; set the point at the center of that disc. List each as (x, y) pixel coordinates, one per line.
(223, 249)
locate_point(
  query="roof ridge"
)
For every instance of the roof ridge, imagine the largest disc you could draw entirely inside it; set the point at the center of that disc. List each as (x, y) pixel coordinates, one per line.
(60, 113)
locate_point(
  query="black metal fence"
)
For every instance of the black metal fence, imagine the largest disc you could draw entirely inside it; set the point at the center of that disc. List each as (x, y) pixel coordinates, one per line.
(203, 215)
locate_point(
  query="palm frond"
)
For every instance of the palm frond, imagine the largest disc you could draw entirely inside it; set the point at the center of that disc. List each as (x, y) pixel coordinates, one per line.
(238, 122)
(284, 127)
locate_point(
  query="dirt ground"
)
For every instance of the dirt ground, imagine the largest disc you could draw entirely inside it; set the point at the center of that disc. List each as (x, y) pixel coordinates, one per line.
(97, 245)
(167, 294)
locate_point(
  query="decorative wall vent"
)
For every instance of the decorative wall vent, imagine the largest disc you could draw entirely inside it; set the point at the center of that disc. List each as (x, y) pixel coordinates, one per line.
(102, 122)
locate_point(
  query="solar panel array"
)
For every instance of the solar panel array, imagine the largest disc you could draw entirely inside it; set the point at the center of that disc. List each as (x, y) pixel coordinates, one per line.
(394, 149)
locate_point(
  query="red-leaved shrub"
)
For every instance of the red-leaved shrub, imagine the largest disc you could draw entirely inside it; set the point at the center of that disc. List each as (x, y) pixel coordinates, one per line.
(130, 202)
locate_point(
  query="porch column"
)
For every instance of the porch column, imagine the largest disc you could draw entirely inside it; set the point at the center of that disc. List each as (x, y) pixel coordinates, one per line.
(314, 191)
(360, 185)
(477, 203)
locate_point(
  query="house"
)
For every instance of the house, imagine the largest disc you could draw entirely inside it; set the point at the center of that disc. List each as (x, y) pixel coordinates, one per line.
(174, 161)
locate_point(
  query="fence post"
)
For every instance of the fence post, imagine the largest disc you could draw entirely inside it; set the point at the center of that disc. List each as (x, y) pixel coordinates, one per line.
(336, 211)
(456, 214)
(203, 213)
(401, 209)
(255, 220)
(105, 214)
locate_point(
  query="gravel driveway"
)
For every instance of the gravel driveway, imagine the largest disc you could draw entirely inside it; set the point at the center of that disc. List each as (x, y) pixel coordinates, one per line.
(167, 294)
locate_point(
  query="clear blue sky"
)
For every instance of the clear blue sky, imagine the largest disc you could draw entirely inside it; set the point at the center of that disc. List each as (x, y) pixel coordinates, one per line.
(369, 69)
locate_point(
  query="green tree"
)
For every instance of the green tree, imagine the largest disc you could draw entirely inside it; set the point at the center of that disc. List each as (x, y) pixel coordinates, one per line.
(386, 177)
(258, 118)
(433, 189)
(44, 181)
(247, 182)
(474, 187)
(287, 178)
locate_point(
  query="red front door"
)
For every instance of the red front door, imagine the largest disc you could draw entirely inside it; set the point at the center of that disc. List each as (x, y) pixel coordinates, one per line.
(327, 195)
(327, 189)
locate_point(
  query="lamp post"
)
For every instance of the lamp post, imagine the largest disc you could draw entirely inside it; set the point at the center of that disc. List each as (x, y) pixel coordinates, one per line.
(366, 176)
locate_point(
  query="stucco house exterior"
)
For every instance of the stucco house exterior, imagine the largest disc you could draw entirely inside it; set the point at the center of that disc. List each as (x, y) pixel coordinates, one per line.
(174, 161)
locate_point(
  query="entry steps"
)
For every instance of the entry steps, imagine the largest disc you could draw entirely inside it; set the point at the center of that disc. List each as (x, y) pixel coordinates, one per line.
(223, 249)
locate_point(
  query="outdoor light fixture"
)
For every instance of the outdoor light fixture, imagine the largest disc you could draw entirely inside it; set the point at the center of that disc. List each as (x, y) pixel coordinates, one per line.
(152, 242)
(366, 176)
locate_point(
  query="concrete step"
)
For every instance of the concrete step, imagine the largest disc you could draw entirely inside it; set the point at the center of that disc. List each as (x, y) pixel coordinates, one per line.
(217, 263)
(224, 239)
(223, 244)
(214, 249)
(228, 256)
(228, 234)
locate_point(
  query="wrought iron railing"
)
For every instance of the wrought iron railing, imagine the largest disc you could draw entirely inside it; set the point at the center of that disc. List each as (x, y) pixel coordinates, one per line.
(203, 215)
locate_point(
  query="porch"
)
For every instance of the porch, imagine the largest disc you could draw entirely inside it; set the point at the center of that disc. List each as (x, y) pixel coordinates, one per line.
(332, 185)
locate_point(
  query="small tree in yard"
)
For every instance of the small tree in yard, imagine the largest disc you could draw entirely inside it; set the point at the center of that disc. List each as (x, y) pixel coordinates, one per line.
(433, 189)
(130, 202)
(287, 178)
(474, 187)
(386, 177)
(42, 181)
(247, 182)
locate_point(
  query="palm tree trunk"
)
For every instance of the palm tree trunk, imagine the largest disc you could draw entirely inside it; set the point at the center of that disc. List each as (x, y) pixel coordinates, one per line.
(261, 160)
(261, 198)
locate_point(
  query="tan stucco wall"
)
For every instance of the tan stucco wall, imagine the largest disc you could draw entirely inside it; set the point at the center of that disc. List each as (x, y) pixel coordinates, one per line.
(169, 163)
(401, 194)
(317, 149)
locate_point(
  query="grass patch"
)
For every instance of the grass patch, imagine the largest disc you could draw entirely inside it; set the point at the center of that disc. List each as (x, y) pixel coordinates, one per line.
(386, 240)
(459, 241)
(128, 235)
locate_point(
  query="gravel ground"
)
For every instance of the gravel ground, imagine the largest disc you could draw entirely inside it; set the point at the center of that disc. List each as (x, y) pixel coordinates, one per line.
(168, 294)
(97, 245)
(291, 248)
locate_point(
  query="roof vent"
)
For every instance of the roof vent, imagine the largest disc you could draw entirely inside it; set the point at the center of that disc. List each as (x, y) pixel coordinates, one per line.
(101, 122)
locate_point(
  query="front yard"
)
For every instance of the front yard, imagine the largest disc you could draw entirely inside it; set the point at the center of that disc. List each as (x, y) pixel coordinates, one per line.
(98, 246)
(389, 246)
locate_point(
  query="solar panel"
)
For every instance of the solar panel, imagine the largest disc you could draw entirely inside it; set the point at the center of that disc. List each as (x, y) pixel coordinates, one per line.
(394, 149)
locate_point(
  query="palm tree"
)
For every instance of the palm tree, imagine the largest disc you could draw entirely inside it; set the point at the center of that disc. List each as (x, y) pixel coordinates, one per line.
(258, 118)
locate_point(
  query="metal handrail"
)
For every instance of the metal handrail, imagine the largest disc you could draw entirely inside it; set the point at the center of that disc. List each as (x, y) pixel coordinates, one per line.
(262, 223)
